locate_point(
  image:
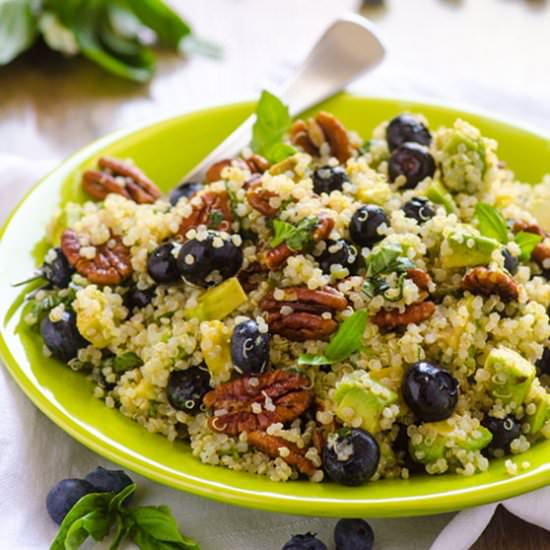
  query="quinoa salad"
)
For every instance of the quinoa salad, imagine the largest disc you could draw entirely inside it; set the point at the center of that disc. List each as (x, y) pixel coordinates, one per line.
(325, 306)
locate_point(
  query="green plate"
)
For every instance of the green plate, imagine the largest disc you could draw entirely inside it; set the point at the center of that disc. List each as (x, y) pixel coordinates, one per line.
(165, 151)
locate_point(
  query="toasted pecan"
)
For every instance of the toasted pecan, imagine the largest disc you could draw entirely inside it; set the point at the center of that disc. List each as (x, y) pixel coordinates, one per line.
(420, 278)
(485, 281)
(110, 265)
(122, 178)
(528, 228)
(252, 403)
(270, 445)
(393, 318)
(259, 198)
(205, 206)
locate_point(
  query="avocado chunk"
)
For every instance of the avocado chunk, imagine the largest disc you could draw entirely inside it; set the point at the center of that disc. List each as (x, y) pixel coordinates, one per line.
(540, 398)
(464, 247)
(438, 194)
(432, 439)
(511, 376)
(357, 394)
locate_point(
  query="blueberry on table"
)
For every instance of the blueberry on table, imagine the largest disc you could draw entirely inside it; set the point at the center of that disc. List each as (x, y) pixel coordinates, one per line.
(511, 262)
(162, 265)
(137, 298)
(64, 495)
(305, 542)
(107, 481)
(353, 534)
(249, 348)
(430, 391)
(406, 128)
(62, 337)
(504, 431)
(187, 189)
(186, 388)
(365, 223)
(329, 178)
(543, 364)
(351, 456)
(413, 161)
(58, 271)
(342, 253)
(209, 260)
(419, 209)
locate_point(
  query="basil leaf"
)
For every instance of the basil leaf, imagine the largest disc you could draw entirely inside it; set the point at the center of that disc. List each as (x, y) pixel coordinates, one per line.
(280, 151)
(124, 362)
(118, 500)
(272, 123)
(96, 524)
(491, 223)
(380, 260)
(122, 529)
(88, 503)
(349, 337)
(283, 231)
(317, 360)
(154, 525)
(527, 243)
(18, 28)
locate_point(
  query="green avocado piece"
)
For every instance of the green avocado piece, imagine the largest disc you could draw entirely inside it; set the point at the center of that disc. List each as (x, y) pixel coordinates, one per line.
(437, 436)
(468, 249)
(357, 394)
(439, 194)
(541, 399)
(511, 376)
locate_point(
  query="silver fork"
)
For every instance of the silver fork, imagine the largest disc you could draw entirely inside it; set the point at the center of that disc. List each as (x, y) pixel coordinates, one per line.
(349, 47)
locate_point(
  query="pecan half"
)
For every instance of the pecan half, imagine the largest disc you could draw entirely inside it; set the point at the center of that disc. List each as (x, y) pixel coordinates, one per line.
(528, 228)
(259, 198)
(305, 320)
(110, 265)
(324, 128)
(273, 258)
(247, 276)
(420, 278)
(482, 280)
(270, 445)
(393, 318)
(122, 178)
(253, 403)
(211, 209)
(257, 164)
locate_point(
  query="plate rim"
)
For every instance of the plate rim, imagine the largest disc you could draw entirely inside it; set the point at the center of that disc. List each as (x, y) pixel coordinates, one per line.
(269, 501)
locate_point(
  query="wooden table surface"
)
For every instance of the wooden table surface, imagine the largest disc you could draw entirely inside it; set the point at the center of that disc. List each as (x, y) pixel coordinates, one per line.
(450, 49)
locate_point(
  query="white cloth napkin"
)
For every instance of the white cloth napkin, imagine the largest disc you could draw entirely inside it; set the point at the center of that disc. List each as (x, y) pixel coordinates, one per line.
(35, 453)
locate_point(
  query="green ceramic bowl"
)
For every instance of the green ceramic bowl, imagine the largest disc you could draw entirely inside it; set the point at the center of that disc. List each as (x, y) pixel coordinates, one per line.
(165, 151)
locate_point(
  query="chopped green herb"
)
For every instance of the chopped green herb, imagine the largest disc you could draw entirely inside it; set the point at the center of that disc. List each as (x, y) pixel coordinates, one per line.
(295, 236)
(491, 223)
(216, 217)
(347, 340)
(153, 408)
(387, 259)
(124, 362)
(527, 243)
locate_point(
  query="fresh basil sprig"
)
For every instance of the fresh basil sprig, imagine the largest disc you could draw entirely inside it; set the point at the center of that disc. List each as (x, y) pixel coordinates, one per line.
(527, 243)
(295, 236)
(491, 222)
(347, 340)
(272, 123)
(115, 34)
(149, 527)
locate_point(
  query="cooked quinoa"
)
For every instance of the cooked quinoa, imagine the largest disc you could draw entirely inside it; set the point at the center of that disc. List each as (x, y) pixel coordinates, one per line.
(440, 289)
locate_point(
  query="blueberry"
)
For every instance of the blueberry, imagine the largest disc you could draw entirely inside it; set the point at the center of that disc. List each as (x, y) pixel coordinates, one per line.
(162, 265)
(62, 337)
(186, 388)
(186, 189)
(210, 260)
(419, 209)
(305, 542)
(413, 161)
(504, 431)
(431, 392)
(58, 272)
(406, 128)
(351, 456)
(543, 364)
(64, 495)
(353, 534)
(511, 262)
(107, 481)
(329, 178)
(364, 225)
(136, 298)
(342, 253)
(249, 348)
